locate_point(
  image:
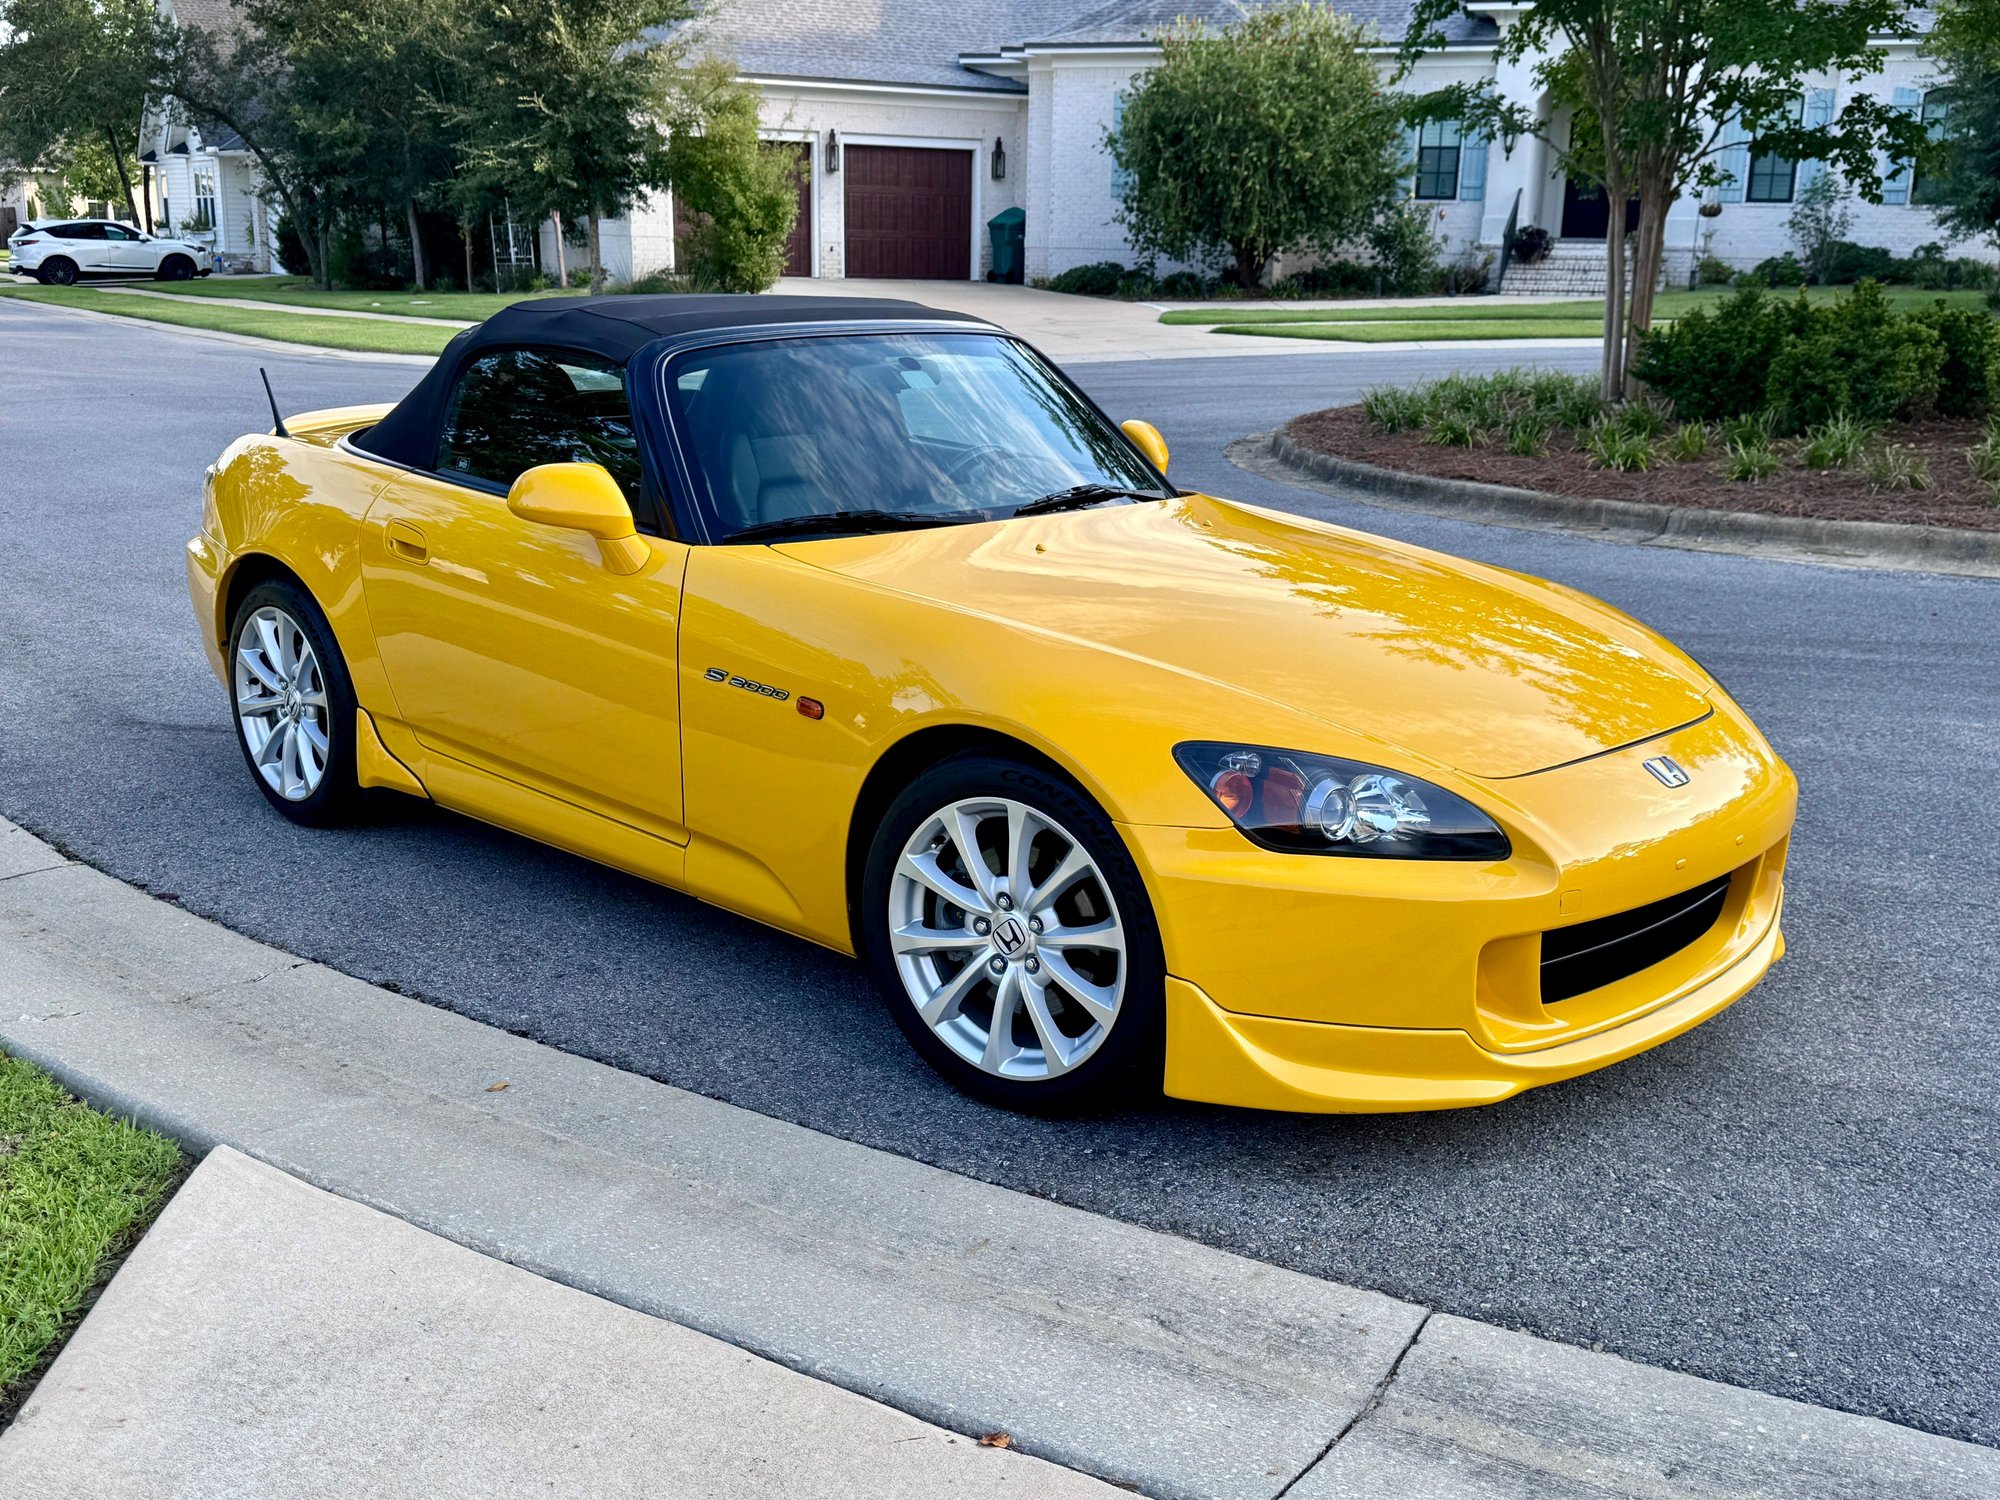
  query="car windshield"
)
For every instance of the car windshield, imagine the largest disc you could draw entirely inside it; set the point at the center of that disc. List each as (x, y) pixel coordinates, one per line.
(872, 431)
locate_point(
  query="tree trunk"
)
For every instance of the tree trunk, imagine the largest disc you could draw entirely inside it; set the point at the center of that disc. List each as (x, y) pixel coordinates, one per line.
(465, 238)
(322, 270)
(1649, 253)
(562, 254)
(592, 225)
(1609, 386)
(416, 245)
(1250, 261)
(124, 177)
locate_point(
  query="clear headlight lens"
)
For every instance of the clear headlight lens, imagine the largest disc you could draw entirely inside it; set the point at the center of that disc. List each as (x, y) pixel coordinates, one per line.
(1321, 804)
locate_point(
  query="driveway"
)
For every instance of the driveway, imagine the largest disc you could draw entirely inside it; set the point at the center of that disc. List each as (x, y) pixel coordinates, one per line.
(1799, 1196)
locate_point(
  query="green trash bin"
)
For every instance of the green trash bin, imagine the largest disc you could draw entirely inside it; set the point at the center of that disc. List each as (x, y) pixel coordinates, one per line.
(1009, 229)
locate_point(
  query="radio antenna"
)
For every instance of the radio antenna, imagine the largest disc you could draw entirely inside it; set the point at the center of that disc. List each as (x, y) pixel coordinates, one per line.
(277, 422)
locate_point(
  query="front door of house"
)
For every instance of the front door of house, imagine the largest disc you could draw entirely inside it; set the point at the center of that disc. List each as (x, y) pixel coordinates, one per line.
(1587, 211)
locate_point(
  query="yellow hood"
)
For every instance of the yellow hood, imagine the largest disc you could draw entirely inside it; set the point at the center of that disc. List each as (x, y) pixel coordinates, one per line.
(1470, 666)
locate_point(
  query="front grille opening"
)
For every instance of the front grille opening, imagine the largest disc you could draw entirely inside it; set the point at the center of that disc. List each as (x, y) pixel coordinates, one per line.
(1590, 955)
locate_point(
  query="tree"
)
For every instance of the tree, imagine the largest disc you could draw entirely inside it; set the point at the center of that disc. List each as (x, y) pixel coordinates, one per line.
(570, 113)
(1820, 220)
(1961, 175)
(73, 85)
(1273, 135)
(742, 197)
(1658, 85)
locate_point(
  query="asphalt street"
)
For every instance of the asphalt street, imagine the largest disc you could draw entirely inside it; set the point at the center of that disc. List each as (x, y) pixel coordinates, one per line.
(1802, 1196)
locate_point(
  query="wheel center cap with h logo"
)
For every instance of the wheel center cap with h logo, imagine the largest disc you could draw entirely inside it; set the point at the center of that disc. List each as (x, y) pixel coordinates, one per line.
(1011, 937)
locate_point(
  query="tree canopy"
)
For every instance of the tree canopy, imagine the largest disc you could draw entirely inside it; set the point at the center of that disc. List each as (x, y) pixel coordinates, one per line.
(73, 84)
(1663, 88)
(1272, 135)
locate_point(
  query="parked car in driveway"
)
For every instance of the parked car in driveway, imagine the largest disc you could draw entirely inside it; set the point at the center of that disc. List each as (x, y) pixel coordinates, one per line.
(861, 620)
(62, 252)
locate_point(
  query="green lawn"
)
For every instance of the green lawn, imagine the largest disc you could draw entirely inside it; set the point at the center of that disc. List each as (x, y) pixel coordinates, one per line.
(359, 334)
(296, 291)
(77, 1189)
(1437, 331)
(1446, 317)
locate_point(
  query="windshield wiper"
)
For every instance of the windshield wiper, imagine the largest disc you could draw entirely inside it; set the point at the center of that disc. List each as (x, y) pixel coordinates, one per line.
(1079, 495)
(840, 523)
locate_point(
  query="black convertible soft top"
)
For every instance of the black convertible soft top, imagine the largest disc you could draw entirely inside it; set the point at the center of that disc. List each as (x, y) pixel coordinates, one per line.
(613, 328)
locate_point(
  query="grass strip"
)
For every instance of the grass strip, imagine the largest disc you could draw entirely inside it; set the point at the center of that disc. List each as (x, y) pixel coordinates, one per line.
(1468, 311)
(1426, 332)
(77, 1189)
(296, 291)
(357, 334)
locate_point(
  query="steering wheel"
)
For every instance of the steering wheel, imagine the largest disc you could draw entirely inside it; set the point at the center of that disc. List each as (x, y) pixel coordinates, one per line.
(961, 466)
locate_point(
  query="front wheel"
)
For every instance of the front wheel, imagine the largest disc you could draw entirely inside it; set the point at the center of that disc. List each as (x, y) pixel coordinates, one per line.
(293, 704)
(1013, 939)
(175, 268)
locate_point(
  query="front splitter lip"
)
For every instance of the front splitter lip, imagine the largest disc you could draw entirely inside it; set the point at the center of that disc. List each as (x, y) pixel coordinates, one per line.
(1267, 1062)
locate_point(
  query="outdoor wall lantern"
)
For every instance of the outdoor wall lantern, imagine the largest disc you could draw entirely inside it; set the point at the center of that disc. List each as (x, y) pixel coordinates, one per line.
(833, 151)
(999, 160)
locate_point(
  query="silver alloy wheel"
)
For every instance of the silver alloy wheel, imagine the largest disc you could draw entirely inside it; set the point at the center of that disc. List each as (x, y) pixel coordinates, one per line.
(281, 704)
(1007, 938)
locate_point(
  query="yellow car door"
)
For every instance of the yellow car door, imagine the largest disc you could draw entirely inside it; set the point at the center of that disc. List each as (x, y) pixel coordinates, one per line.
(512, 647)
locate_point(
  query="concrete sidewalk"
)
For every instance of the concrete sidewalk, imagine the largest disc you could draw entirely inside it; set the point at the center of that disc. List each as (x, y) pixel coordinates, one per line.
(1134, 1356)
(268, 1339)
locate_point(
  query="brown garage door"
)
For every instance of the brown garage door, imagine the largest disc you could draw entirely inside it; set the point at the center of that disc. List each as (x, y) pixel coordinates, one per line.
(909, 212)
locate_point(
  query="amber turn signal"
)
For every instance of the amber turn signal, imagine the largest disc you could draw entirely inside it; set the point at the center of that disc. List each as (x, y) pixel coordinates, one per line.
(812, 708)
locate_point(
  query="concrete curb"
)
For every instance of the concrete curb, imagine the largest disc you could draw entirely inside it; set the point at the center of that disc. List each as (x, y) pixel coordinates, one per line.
(1850, 544)
(1128, 1354)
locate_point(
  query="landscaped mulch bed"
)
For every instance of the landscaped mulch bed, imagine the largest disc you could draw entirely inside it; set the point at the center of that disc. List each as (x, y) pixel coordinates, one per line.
(1956, 497)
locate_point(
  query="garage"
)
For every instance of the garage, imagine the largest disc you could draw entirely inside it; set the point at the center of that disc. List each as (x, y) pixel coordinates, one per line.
(909, 212)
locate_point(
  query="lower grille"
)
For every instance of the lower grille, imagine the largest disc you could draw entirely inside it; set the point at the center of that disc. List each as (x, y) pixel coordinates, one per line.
(1593, 954)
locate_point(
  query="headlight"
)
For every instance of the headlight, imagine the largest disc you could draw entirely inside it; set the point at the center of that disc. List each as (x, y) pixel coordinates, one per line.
(1321, 804)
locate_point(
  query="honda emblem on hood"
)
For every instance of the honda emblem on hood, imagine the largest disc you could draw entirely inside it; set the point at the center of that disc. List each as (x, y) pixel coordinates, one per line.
(1666, 772)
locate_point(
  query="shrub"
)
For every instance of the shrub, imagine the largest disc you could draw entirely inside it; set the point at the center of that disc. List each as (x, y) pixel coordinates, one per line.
(1528, 436)
(1184, 285)
(1099, 278)
(1984, 458)
(1405, 249)
(1643, 418)
(1393, 408)
(1898, 468)
(1857, 356)
(1847, 262)
(1927, 268)
(1753, 429)
(1779, 270)
(1714, 363)
(1454, 429)
(1715, 272)
(1688, 444)
(1835, 444)
(1467, 276)
(1610, 446)
(1820, 219)
(1332, 278)
(1970, 341)
(292, 248)
(1749, 462)
(1532, 244)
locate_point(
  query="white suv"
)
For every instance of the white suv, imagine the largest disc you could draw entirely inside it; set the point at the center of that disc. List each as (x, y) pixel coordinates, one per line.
(59, 252)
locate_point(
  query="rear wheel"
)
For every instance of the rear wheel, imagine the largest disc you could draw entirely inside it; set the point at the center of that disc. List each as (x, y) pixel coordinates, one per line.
(58, 270)
(1013, 938)
(175, 268)
(294, 705)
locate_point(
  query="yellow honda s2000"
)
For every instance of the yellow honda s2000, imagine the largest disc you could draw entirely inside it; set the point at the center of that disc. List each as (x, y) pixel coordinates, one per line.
(858, 619)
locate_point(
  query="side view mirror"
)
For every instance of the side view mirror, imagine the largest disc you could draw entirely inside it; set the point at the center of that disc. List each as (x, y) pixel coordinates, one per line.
(1146, 438)
(582, 497)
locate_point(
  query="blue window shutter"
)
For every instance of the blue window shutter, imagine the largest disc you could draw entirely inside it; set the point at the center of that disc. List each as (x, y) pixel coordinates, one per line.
(1896, 186)
(1735, 160)
(1819, 115)
(1472, 167)
(1120, 178)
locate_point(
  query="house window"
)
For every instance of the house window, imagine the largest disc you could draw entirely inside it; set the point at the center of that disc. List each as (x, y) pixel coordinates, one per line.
(204, 197)
(1121, 180)
(1936, 109)
(1437, 159)
(1773, 177)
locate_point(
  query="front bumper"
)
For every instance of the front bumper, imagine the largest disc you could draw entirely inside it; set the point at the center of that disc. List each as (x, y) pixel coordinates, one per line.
(1321, 983)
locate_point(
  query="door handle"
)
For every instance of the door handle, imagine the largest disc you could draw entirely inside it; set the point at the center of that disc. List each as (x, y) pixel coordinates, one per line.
(406, 542)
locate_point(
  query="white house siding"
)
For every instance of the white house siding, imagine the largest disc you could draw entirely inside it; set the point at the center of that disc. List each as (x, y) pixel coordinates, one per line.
(954, 119)
(1072, 191)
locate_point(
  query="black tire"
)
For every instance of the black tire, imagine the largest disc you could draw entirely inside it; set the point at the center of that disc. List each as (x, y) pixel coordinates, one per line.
(57, 270)
(337, 799)
(175, 268)
(1128, 1062)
